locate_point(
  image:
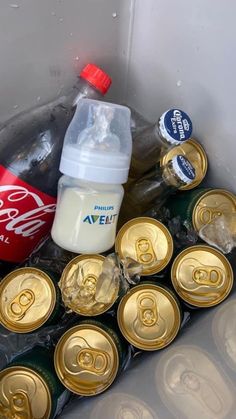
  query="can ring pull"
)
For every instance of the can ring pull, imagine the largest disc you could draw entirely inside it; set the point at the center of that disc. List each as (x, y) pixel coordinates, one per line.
(93, 360)
(206, 214)
(89, 282)
(21, 304)
(147, 309)
(208, 275)
(144, 251)
(19, 403)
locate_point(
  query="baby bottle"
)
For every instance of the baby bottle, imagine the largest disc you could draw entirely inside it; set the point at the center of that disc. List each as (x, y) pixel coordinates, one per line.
(95, 163)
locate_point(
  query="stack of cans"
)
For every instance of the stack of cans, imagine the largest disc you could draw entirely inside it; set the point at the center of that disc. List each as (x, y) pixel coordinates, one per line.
(95, 348)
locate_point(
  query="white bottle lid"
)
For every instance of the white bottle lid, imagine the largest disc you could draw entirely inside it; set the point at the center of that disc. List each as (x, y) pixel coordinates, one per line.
(183, 169)
(98, 143)
(175, 126)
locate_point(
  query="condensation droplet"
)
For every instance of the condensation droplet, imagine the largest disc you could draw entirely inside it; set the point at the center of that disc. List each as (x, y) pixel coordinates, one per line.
(61, 19)
(77, 58)
(71, 34)
(38, 98)
(53, 13)
(179, 83)
(15, 106)
(114, 15)
(14, 6)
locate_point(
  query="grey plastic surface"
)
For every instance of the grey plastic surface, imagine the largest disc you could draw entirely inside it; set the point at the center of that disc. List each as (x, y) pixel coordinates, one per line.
(182, 55)
(160, 54)
(45, 43)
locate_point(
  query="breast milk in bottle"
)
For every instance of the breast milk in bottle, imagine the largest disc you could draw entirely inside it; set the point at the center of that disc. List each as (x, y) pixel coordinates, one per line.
(95, 162)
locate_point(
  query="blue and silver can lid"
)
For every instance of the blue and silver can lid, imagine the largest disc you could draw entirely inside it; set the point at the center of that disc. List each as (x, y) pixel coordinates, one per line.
(183, 169)
(175, 126)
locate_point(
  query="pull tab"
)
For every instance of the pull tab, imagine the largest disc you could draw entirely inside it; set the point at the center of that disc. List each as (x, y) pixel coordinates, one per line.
(20, 405)
(208, 275)
(93, 360)
(207, 214)
(21, 304)
(89, 282)
(144, 251)
(147, 309)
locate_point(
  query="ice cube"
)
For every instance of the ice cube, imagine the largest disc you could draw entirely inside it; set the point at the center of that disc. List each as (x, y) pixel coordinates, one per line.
(76, 293)
(220, 233)
(108, 283)
(132, 270)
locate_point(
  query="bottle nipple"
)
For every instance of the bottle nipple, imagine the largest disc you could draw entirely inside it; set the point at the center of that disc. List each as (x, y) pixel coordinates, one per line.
(99, 136)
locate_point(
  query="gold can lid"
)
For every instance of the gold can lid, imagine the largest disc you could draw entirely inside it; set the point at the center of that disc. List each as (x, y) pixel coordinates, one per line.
(147, 241)
(86, 360)
(24, 394)
(27, 300)
(149, 317)
(80, 276)
(197, 157)
(213, 203)
(202, 276)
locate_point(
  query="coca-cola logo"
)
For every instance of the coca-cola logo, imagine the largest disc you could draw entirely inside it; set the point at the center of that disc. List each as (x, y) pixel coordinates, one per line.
(13, 200)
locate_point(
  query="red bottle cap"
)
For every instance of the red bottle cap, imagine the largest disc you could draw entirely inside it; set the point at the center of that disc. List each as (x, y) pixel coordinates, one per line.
(96, 77)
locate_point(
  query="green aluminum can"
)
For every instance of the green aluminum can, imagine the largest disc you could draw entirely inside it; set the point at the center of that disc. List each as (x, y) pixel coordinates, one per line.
(89, 356)
(202, 205)
(109, 325)
(149, 316)
(29, 299)
(29, 387)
